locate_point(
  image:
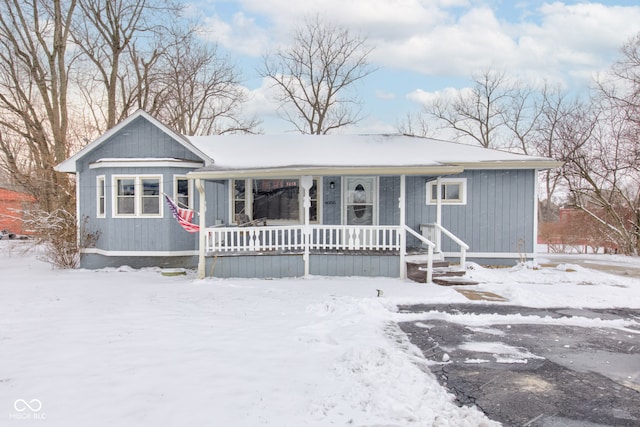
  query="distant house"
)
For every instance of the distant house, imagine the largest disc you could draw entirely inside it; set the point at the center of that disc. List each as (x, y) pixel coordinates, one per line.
(293, 205)
(12, 204)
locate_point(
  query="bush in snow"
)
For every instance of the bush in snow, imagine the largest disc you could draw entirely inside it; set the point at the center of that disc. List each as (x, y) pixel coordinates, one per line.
(57, 233)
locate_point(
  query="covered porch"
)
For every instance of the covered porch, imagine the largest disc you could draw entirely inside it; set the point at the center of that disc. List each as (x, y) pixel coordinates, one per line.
(266, 250)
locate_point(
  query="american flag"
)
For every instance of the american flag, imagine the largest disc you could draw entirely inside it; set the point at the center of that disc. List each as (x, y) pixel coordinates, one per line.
(183, 216)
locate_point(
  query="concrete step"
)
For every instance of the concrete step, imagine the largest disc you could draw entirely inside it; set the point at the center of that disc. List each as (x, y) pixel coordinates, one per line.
(453, 281)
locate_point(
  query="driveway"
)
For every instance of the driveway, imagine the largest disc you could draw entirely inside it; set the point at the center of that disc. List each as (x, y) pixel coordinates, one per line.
(543, 373)
(597, 262)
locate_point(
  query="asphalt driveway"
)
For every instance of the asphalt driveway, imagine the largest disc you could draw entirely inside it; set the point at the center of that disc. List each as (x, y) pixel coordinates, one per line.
(536, 374)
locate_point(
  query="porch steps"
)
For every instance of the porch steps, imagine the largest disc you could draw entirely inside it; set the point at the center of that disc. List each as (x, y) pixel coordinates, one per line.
(443, 273)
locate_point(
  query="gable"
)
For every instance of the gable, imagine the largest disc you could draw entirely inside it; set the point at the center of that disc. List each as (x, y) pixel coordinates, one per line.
(139, 136)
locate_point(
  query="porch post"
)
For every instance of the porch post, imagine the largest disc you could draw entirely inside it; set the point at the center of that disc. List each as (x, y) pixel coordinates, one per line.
(403, 221)
(438, 241)
(202, 205)
(307, 182)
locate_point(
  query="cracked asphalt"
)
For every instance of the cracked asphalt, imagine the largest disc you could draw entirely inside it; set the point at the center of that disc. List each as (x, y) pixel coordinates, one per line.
(535, 374)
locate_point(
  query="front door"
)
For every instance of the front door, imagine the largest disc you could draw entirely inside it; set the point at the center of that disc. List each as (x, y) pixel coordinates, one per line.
(361, 200)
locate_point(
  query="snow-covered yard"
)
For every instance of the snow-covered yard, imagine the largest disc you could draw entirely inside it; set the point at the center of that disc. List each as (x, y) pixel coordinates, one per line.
(135, 348)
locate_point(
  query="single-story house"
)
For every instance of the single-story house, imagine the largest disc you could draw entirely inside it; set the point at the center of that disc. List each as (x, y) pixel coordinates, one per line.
(294, 205)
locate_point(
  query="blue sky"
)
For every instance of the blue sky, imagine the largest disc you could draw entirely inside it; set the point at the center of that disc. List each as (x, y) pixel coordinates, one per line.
(427, 47)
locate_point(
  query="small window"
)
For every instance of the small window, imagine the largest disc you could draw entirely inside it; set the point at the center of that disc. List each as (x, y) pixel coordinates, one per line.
(137, 196)
(452, 191)
(100, 188)
(313, 195)
(183, 192)
(239, 198)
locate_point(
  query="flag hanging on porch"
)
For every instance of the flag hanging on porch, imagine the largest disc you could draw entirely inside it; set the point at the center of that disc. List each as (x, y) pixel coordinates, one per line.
(183, 216)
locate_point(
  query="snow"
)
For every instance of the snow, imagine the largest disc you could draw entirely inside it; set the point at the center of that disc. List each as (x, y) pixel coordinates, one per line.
(265, 151)
(132, 347)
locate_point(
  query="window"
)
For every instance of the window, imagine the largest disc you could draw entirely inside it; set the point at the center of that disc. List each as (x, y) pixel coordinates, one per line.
(182, 192)
(275, 200)
(100, 188)
(239, 198)
(453, 191)
(137, 196)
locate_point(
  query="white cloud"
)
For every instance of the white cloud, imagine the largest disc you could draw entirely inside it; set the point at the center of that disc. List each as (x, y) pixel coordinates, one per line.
(424, 98)
(382, 94)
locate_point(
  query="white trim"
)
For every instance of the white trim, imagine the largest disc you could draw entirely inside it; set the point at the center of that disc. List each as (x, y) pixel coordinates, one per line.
(104, 195)
(137, 204)
(137, 253)
(510, 255)
(445, 181)
(144, 163)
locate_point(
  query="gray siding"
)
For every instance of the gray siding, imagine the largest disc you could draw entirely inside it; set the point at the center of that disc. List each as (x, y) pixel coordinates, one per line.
(133, 234)
(94, 261)
(354, 265)
(388, 195)
(138, 140)
(331, 200)
(255, 266)
(498, 216)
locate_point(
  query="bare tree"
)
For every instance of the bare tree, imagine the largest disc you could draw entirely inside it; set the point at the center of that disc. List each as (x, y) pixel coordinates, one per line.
(604, 180)
(34, 89)
(478, 114)
(556, 112)
(117, 39)
(203, 93)
(316, 76)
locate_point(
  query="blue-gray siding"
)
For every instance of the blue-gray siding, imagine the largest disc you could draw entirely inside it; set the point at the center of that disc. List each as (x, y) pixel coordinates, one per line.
(498, 215)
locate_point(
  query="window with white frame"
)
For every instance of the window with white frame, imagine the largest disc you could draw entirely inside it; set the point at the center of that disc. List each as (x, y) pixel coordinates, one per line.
(137, 196)
(100, 197)
(182, 189)
(453, 191)
(272, 200)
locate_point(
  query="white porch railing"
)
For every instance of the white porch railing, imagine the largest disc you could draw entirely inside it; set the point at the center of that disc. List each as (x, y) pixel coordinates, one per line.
(292, 238)
(351, 237)
(433, 232)
(254, 239)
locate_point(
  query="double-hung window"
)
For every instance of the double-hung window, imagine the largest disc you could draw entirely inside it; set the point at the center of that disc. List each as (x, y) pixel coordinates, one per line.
(137, 196)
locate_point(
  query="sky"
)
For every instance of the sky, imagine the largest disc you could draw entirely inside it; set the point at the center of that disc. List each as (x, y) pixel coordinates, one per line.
(423, 48)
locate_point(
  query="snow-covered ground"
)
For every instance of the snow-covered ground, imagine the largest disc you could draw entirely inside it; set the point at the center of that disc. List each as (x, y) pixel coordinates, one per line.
(135, 348)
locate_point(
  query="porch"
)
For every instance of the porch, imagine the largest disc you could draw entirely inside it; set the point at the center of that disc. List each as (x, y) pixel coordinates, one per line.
(340, 250)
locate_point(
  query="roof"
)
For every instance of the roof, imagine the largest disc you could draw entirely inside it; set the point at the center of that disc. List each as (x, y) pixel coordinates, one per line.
(232, 156)
(242, 155)
(69, 165)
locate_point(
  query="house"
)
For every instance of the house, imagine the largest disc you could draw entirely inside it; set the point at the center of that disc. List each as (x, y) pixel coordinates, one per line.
(12, 205)
(293, 205)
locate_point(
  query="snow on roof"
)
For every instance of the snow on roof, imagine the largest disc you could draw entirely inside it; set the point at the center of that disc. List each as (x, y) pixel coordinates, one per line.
(242, 152)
